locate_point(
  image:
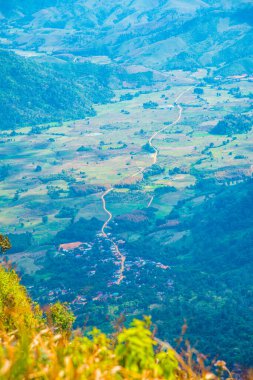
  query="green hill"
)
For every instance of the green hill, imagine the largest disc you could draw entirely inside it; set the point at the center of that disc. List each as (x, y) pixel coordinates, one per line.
(212, 266)
(35, 93)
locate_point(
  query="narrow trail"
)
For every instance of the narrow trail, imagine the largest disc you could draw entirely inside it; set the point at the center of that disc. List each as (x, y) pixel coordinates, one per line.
(157, 133)
(107, 211)
(151, 201)
(118, 254)
(141, 170)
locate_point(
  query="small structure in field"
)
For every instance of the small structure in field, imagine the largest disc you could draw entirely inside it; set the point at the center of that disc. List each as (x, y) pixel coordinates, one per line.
(70, 246)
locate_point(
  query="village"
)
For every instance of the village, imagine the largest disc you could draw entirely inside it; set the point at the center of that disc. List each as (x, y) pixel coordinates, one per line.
(96, 285)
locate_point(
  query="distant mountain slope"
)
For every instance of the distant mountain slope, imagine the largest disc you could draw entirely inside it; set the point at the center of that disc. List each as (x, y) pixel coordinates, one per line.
(33, 93)
(159, 33)
(11, 7)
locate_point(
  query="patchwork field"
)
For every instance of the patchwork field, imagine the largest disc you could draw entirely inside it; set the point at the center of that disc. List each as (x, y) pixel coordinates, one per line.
(107, 150)
(55, 176)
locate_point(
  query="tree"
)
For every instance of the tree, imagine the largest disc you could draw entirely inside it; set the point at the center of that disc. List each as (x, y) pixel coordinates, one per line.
(135, 351)
(4, 172)
(233, 124)
(148, 148)
(198, 91)
(60, 317)
(38, 169)
(44, 219)
(5, 243)
(150, 105)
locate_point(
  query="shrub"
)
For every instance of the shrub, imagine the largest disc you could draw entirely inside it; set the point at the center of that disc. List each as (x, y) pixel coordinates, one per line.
(60, 317)
(5, 243)
(150, 105)
(35, 348)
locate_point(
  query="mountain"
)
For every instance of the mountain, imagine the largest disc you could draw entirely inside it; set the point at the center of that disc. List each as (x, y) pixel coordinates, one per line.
(144, 208)
(160, 33)
(35, 93)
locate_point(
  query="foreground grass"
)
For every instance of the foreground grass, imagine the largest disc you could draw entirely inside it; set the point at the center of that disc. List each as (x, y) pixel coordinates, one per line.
(37, 345)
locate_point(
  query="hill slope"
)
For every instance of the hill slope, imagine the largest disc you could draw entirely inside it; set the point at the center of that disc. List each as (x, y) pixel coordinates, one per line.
(33, 93)
(166, 34)
(212, 268)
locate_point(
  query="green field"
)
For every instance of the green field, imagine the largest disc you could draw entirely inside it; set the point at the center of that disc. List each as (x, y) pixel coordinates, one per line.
(111, 142)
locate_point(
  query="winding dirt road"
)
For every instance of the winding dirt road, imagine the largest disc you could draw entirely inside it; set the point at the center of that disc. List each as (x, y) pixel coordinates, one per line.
(150, 202)
(107, 212)
(157, 133)
(118, 253)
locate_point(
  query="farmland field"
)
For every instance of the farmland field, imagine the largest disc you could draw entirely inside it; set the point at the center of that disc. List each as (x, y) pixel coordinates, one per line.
(126, 165)
(107, 150)
(59, 172)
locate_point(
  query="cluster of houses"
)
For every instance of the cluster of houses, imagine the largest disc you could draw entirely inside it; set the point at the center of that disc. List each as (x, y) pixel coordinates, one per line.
(134, 267)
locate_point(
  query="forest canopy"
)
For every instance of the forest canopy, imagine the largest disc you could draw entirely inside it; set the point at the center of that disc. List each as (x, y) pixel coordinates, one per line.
(233, 124)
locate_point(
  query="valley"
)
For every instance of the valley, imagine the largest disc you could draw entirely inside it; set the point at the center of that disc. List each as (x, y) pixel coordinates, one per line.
(126, 163)
(83, 157)
(111, 182)
(122, 258)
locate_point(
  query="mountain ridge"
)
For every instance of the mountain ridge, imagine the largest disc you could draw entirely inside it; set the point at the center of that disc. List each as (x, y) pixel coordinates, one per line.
(134, 32)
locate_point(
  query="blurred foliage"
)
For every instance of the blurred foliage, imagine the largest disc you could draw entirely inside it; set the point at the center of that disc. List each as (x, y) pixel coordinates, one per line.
(32, 348)
(5, 243)
(60, 317)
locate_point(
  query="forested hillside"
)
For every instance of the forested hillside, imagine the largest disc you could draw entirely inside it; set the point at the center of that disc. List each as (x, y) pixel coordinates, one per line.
(212, 266)
(30, 6)
(35, 93)
(168, 34)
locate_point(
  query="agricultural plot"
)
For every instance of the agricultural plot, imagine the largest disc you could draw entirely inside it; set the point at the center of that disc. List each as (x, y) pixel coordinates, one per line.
(57, 174)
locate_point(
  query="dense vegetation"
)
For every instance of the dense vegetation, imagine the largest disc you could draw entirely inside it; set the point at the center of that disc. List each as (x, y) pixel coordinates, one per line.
(184, 231)
(212, 268)
(81, 230)
(29, 7)
(33, 93)
(4, 172)
(37, 344)
(165, 41)
(207, 279)
(233, 124)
